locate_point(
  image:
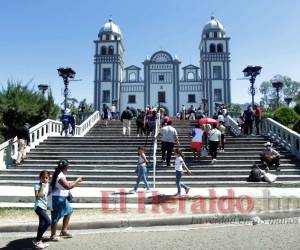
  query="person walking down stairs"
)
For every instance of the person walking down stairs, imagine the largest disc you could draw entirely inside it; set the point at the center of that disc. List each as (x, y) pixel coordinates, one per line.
(179, 162)
(141, 170)
(126, 118)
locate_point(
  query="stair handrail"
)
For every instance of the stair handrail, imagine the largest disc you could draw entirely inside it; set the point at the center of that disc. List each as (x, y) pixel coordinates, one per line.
(234, 127)
(157, 128)
(285, 137)
(39, 133)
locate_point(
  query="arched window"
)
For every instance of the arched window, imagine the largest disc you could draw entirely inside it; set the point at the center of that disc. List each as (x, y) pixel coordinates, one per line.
(132, 77)
(110, 50)
(191, 76)
(103, 50)
(220, 48)
(212, 48)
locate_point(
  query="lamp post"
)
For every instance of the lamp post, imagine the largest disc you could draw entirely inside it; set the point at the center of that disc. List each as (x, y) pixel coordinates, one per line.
(43, 88)
(252, 72)
(288, 100)
(277, 85)
(66, 73)
(204, 101)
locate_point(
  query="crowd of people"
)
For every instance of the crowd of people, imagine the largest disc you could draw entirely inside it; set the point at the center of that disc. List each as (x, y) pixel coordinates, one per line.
(249, 117)
(204, 138)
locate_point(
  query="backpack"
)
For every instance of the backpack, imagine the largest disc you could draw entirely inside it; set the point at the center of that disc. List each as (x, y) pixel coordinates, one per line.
(255, 175)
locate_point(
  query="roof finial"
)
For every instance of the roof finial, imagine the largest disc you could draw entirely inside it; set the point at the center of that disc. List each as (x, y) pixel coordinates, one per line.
(212, 16)
(110, 18)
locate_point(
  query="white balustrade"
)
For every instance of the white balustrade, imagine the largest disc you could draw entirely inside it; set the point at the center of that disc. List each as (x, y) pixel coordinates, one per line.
(39, 133)
(234, 127)
(157, 128)
(285, 137)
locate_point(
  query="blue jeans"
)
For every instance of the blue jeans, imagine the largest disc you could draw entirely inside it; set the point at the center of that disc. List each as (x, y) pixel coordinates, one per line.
(179, 184)
(141, 175)
(44, 222)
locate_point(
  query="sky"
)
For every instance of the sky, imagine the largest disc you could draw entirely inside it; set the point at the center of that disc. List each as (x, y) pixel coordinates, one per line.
(37, 37)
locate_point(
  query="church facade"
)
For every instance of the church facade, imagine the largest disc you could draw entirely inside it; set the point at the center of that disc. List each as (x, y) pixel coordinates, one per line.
(161, 80)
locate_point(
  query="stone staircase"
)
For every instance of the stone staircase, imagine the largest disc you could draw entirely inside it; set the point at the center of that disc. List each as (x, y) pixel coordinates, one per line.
(106, 158)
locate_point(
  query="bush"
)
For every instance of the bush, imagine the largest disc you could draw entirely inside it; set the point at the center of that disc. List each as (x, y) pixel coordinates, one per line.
(285, 115)
(297, 108)
(297, 127)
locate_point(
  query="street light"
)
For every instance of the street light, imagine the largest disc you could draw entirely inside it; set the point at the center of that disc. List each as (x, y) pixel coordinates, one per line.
(43, 88)
(277, 85)
(288, 100)
(252, 72)
(66, 73)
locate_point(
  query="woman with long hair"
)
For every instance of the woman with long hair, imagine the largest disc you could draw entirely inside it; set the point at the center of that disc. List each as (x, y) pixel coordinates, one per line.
(60, 204)
(179, 163)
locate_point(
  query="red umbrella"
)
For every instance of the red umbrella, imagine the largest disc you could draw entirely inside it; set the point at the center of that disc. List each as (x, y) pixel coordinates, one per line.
(204, 121)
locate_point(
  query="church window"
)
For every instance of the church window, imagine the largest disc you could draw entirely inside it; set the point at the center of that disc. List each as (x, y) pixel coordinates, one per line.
(215, 34)
(110, 50)
(116, 37)
(217, 72)
(191, 98)
(212, 48)
(217, 95)
(107, 37)
(131, 99)
(106, 96)
(106, 74)
(161, 78)
(161, 96)
(132, 77)
(220, 48)
(103, 50)
(207, 35)
(191, 76)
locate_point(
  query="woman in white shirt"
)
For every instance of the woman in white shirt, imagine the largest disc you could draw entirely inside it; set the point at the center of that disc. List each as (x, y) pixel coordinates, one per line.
(60, 204)
(196, 144)
(179, 162)
(214, 141)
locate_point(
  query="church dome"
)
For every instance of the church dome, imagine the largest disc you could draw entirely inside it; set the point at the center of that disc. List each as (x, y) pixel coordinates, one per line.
(110, 28)
(213, 25)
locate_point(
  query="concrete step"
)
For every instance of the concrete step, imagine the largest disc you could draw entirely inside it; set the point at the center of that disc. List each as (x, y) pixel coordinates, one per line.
(130, 185)
(130, 167)
(159, 172)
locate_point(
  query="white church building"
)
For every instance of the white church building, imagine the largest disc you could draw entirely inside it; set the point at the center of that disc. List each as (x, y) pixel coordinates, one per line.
(161, 80)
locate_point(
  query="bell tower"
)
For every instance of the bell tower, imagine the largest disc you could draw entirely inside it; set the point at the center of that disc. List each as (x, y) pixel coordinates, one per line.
(109, 64)
(214, 64)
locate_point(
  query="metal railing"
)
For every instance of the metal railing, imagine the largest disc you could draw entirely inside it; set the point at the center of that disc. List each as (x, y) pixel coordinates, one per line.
(285, 137)
(157, 128)
(39, 133)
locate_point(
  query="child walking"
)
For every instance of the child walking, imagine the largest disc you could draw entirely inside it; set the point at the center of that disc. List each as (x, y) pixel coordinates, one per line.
(141, 169)
(179, 162)
(41, 191)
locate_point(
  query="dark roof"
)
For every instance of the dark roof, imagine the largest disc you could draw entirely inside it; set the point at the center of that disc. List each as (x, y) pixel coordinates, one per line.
(132, 67)
(190, 66)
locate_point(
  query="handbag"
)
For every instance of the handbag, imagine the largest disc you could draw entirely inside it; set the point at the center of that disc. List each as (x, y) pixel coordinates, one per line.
(204, 152)
(270, 177)
(70, 196)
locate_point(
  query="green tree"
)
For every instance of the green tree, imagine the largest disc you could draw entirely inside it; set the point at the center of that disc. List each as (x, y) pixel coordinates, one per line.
(290, 89)
(87, 107)
(20, 104)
